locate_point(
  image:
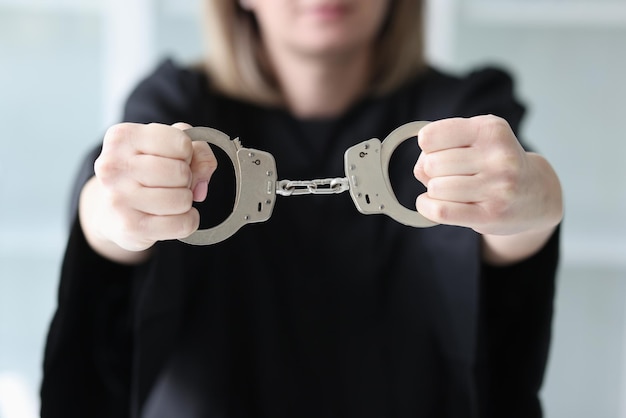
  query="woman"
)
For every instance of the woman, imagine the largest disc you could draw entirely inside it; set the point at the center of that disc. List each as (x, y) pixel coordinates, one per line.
(320, 311)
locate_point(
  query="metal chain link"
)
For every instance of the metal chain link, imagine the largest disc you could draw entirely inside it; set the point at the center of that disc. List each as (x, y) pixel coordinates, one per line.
(320, 186)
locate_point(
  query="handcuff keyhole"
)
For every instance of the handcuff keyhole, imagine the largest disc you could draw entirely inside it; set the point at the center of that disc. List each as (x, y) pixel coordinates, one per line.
(367, 199)
(260, 207)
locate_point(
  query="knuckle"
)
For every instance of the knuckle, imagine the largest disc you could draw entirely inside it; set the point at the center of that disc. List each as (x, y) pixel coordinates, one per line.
(503, 197)
(496, 212)
(498, 209)
(181, 125)
(507, 192)
(183, 142)
(433, 188)
(423, 139)
(493, 121)
(510, 172)
(418, 171)
(505, 158)
(105, 168)
(118, 203)
(492, 126)
(424, 135)
(183, 171)
(441, 213)
(429, 167)
(508, 160)
(186, 202)
(118, 134)
(101, 166)
(509, 186)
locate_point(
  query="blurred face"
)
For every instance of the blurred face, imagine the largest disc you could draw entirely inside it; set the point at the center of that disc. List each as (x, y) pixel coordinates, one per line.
(319, 27)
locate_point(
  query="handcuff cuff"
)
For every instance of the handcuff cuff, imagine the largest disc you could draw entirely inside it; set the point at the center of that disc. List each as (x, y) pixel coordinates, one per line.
(366, 166)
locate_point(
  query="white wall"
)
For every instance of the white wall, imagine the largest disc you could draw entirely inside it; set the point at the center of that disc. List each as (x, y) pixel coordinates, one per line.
(67, 65)
(569, 61)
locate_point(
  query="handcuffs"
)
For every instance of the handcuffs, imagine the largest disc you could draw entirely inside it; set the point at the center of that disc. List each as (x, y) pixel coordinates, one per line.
(367, 178)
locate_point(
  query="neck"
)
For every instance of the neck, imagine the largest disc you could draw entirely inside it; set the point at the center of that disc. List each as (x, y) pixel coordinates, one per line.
(316, 87)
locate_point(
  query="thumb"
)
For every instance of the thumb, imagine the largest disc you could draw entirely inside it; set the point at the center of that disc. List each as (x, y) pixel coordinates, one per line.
(419, 172)
(203, 165)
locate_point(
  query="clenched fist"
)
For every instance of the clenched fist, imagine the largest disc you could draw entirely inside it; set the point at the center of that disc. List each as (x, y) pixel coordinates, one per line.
(147, 178)
(477, 175)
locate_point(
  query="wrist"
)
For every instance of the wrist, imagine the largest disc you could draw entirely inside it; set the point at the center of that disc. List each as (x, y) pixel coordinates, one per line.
(548, 192)
(541, 217)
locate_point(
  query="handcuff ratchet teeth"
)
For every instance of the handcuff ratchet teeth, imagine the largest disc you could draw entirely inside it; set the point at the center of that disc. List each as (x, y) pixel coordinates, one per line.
(366, 168)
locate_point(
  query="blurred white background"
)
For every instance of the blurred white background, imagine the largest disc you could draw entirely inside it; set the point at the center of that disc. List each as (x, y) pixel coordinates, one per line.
(67, 65)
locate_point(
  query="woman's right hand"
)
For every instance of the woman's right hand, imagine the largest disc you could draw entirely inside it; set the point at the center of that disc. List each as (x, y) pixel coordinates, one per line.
(147, 178)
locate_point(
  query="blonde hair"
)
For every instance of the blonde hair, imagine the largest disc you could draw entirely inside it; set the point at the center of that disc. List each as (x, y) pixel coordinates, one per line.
(238, 66)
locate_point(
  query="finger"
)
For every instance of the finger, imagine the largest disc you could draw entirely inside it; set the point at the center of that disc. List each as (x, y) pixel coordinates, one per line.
(470, 215)
(418, 170)
(200, 191)
(182, 126)
(160, 228)
(445, 134)
(450, 162)
(159, 201)
(461, 189)
(155, 171)
(161, 140)
(203, 165)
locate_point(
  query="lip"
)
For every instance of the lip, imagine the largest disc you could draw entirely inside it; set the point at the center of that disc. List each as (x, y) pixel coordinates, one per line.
(329, 11)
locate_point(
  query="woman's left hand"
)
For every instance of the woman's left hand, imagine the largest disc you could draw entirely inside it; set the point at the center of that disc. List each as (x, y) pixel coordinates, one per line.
(478, 176)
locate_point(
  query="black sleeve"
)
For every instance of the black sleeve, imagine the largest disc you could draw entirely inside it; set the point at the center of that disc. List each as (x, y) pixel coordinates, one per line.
(514, 333)
(491, 91)
(86, 370)
(488, 90)
(171, 94)
(516, 302)
(87, 359)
